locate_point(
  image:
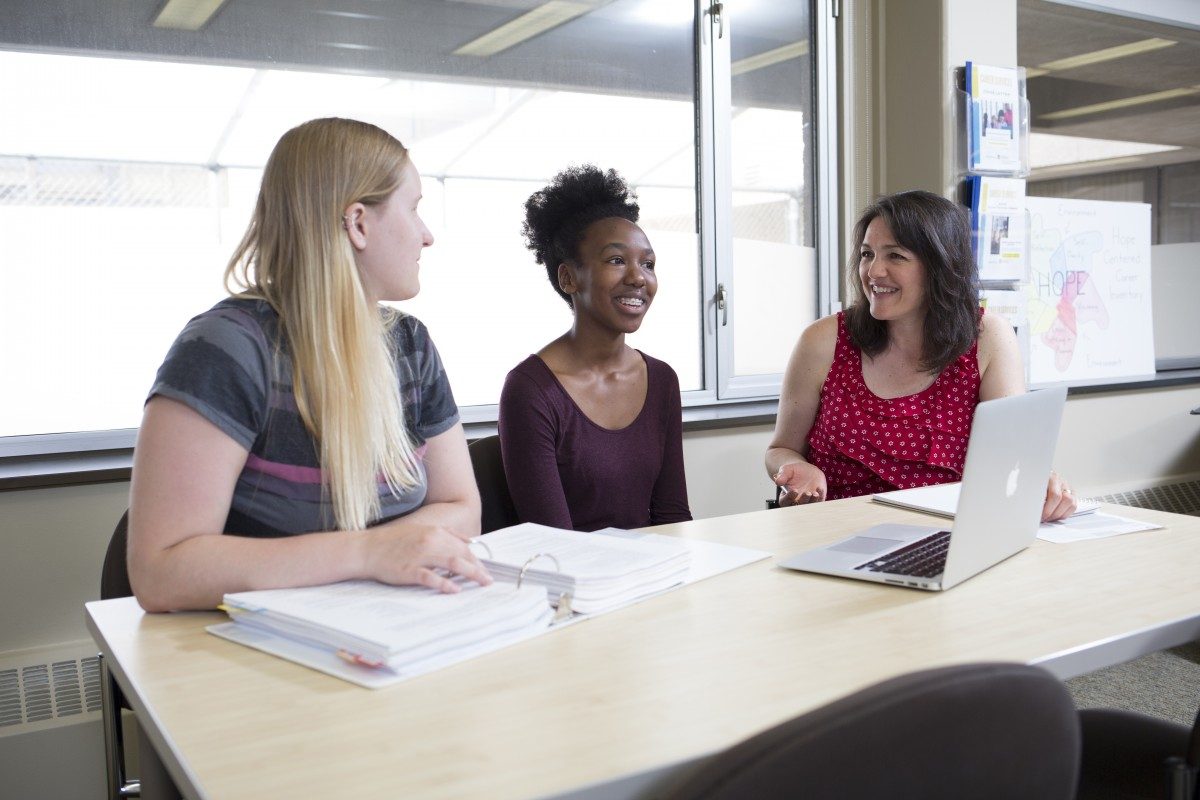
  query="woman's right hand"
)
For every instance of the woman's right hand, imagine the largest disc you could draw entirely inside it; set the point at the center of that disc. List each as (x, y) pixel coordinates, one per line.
(801, 482)
(404, 552)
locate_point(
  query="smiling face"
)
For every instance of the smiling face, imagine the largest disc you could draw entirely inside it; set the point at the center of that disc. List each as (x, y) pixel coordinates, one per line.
(392, 236)
(613, 281)
(893, 278)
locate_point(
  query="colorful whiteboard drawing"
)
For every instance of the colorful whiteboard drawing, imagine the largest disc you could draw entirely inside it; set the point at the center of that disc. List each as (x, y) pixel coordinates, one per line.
(1089, 291)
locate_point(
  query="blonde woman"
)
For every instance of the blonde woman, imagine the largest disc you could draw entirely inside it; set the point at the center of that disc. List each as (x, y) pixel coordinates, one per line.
(298, 432)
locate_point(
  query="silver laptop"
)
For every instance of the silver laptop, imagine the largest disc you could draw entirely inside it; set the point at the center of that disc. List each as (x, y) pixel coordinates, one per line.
(999, 506)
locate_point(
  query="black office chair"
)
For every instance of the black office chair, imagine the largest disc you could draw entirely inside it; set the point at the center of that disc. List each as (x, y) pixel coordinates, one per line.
(114, 582)
(980, 731)
(1127, 754)
(498, 509)
(114, 575)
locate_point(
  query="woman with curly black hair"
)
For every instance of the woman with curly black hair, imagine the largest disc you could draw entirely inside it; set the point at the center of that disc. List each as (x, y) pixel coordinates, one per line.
(590, 428)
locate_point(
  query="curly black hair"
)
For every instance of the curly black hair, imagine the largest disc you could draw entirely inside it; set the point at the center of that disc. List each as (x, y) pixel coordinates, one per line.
(557, 216)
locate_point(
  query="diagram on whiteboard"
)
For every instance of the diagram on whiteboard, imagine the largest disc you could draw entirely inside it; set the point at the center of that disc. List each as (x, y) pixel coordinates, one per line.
(1089, 291)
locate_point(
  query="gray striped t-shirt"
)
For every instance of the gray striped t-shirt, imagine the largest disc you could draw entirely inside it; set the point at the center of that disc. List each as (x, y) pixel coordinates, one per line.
(227, 367)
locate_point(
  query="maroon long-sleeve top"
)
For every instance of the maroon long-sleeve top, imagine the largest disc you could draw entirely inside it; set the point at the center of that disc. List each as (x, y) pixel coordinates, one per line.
(566, 471)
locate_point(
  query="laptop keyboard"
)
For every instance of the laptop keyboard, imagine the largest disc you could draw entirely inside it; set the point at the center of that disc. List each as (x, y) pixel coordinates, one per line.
(924, 558)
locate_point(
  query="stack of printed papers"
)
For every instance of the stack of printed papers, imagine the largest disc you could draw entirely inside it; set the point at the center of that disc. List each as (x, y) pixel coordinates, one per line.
(399, 631)
(598, 571)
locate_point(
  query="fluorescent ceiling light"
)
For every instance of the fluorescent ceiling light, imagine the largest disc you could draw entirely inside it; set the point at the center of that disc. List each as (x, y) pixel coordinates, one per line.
(543, 18)
(350, 15)
(1124, 102)
(1107, 54)
(788, 51)
(663, 13)
(1052, 150)
(187, 15)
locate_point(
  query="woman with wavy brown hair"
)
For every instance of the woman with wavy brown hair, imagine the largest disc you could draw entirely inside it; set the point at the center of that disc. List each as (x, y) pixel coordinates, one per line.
(299, 432)
(881, 396)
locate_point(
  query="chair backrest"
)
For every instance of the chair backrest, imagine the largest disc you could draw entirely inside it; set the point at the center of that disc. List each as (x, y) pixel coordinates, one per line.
(979, 731)
(498, 509)
(114, 576)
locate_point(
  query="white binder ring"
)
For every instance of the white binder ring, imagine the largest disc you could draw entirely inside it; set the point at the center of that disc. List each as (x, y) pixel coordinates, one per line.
(563, 606)
(482, 544)
(533, 558)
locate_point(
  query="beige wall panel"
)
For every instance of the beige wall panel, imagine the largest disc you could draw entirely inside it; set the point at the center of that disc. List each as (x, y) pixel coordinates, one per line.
(52, 544)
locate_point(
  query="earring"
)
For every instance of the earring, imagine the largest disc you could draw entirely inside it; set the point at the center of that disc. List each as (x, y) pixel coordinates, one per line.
(345, 222)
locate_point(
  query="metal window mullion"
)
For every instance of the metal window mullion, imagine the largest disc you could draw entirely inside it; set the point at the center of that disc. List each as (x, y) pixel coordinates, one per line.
(707, 194)
(824, 31)
(828, 239)
(719, 184)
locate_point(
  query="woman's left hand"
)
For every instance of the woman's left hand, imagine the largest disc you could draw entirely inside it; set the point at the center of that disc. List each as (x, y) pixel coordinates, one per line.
(1060, 500)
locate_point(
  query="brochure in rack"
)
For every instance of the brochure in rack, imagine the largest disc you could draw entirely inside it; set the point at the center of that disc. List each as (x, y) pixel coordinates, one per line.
(995, 122)
(998, 220)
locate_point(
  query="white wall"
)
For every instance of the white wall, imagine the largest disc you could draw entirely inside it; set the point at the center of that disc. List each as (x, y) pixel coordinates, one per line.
(52, 544)
(1116, 441)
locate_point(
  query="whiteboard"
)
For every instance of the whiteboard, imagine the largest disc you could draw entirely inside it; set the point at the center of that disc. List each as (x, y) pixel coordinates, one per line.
(1090, 317)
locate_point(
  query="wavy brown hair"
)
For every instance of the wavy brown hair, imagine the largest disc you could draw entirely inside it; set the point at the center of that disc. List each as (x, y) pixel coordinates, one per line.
(938, 232)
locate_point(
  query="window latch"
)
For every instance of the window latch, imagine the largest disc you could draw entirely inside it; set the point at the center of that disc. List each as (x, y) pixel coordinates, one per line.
(722, 298)
(716, 11)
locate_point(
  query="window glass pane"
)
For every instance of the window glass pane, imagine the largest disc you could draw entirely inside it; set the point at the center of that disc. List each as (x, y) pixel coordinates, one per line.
(1179, 213)
(774, 256)
(129, 167)
(1114, 118)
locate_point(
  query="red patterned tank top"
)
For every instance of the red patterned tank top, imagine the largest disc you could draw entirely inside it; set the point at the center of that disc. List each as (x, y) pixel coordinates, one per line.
(866, 444)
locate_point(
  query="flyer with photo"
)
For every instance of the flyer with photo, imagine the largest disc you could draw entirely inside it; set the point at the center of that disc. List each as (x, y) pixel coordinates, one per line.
(995, 123)
(998, 217)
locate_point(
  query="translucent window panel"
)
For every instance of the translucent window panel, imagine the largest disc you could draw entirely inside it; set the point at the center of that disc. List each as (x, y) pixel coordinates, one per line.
(103, 264)
(106, 256)
(115, 109)
(489, 305)
(1179, 208)
(774, 270)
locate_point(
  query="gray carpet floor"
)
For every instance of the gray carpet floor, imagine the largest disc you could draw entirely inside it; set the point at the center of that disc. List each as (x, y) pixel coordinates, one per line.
(1164, 684)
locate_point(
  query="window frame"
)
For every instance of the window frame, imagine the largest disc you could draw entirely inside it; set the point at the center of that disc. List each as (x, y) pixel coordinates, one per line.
(724, 401)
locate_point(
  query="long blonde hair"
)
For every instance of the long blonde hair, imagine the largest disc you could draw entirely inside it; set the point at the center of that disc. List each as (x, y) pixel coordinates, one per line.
(296, 256)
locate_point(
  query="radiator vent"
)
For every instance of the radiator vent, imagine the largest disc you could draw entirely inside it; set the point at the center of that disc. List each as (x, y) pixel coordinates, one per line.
(37, 693)
(1178, 498)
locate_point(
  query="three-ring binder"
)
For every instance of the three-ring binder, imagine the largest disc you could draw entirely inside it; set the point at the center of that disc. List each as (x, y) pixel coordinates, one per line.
(563, 605)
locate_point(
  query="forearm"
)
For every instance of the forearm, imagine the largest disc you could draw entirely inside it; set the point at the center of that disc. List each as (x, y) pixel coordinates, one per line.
(460, 517)
(669, 499)
(196, 572)
(778, 456)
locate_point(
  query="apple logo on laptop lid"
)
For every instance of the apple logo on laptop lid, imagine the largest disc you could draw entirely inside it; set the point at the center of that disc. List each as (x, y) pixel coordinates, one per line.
(1010, 488)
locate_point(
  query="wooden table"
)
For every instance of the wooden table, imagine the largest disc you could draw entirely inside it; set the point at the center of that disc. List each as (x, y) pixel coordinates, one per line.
(612, 706)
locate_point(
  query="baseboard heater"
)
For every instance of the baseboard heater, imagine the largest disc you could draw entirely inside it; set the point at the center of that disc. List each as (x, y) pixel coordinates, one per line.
(1177, 498)
(40, 695)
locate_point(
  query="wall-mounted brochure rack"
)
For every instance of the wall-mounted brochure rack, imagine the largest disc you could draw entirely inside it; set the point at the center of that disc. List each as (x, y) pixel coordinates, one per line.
(992, 157)
(993, 120)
